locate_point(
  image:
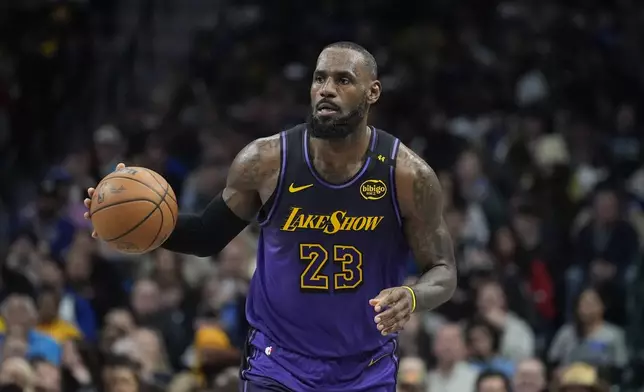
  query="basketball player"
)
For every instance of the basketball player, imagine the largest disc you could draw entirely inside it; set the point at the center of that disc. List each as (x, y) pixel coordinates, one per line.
(340, 205)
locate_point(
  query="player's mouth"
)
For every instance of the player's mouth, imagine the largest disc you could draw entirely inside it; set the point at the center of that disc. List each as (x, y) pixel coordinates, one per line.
(326, 109)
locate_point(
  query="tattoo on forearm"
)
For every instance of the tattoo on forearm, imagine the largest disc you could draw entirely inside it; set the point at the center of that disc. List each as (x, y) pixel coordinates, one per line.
(429, 238)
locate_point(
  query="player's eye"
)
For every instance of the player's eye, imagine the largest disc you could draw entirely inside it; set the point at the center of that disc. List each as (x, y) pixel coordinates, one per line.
(319, 79)
(345, 81)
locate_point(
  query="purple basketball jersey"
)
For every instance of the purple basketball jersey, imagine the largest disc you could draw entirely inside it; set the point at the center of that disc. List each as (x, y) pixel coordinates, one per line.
(325, 250)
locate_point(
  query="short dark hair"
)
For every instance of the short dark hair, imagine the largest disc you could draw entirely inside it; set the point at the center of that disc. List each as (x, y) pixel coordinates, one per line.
(369, 60)
(491, 374)
(480, 322)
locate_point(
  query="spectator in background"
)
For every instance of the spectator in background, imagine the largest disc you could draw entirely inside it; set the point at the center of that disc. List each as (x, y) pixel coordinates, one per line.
(72, 308)
(19, 318)
(176, 294)
(517, 338)
(14, 346)
(14, 270)
(92, 278)
(477, 188)
(605, 248)
(530, 376)
(484, 343)
(53, 230)
(110, 149)
(118, 324)
(492, 381)
(120, 374)
(412, 375)
(580, 377)
(48, 376)
(50, 323)
(451, 373)
(526, 280)
(590, 339)
(148, 312)
(17, 373)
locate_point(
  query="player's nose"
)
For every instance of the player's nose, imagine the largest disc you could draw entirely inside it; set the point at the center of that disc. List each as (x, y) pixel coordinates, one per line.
(328, 89)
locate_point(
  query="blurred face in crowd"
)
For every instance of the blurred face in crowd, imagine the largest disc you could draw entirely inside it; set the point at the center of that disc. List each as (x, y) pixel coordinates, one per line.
(50, 274)
(166, 268)
(78, 266)
(526, 226)
(504, 243)
(341, 92)
(411, 375)
(490, 297)
(590, 308)
(19, 312)
(606, 207)
(530, 376)
(480, 340)
(449, 345)
(48, 304)
(48, 377)
(468, 166)
(78, 164)
(16, 371)
(122, 379)
(234, 258)
(492, 384)
(118, 323)
(146, 298)
(14, 347)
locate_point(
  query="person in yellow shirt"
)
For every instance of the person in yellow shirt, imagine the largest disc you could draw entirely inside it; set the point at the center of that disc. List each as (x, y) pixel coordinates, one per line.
(49, 323)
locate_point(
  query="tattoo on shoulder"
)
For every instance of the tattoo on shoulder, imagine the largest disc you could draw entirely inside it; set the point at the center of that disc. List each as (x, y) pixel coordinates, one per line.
(254, 167)
(421, 193)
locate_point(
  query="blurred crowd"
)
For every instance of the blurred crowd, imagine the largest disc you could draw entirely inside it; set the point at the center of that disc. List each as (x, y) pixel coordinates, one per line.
(527, 110)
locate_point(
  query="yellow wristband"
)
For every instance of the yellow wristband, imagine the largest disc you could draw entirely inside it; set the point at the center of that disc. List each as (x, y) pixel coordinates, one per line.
(413, 297)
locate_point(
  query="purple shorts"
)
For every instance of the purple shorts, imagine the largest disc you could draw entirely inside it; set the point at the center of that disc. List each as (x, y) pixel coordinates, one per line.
(267, 367)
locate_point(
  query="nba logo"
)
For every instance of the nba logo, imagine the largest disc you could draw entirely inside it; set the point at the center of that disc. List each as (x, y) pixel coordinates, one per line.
(268, 350)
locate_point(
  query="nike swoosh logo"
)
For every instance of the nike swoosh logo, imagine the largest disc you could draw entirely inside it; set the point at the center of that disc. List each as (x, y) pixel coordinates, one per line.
(374, 360)
(293, 189)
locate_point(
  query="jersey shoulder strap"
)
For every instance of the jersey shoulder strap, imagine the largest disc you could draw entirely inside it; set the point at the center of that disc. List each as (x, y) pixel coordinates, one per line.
(383, 165)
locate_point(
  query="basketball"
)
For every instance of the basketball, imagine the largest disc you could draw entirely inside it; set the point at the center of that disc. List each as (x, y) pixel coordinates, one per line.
(134, 210)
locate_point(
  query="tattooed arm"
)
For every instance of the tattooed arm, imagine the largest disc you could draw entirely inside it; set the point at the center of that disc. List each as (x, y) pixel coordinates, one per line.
(421, 202)
(253, 172)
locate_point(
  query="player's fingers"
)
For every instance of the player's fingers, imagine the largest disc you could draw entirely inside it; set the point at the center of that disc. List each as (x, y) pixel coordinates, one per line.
(375, 302)
(86, 215)
(90, 192)
(87, 202)
(390, 313)
(393, 297)
(120, 166)
(94, 234)
(398, 326)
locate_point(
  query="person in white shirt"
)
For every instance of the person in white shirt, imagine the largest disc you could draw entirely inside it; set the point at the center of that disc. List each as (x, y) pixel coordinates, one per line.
(452, 373)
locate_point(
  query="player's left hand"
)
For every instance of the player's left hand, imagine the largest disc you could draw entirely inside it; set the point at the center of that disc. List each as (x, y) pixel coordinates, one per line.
(394, 307)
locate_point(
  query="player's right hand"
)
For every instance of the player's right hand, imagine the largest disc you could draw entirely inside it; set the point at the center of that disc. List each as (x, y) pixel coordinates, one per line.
(90, 193)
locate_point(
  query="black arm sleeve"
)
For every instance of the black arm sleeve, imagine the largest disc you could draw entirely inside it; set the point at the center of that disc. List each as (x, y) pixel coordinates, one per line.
(205, 234)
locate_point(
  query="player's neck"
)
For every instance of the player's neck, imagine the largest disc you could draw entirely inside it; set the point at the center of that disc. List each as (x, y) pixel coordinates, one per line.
(349, 149)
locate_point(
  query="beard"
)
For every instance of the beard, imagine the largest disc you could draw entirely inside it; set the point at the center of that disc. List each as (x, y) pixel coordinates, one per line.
(336, 127)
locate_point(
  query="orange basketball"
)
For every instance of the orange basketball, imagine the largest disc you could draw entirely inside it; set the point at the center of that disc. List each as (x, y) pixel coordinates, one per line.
(134, 210)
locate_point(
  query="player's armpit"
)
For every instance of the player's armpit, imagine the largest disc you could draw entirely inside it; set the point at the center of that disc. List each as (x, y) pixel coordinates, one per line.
(228, 214)
(421, 202)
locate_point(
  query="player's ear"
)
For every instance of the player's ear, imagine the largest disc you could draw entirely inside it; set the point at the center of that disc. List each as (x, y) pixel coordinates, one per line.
(373, 94)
